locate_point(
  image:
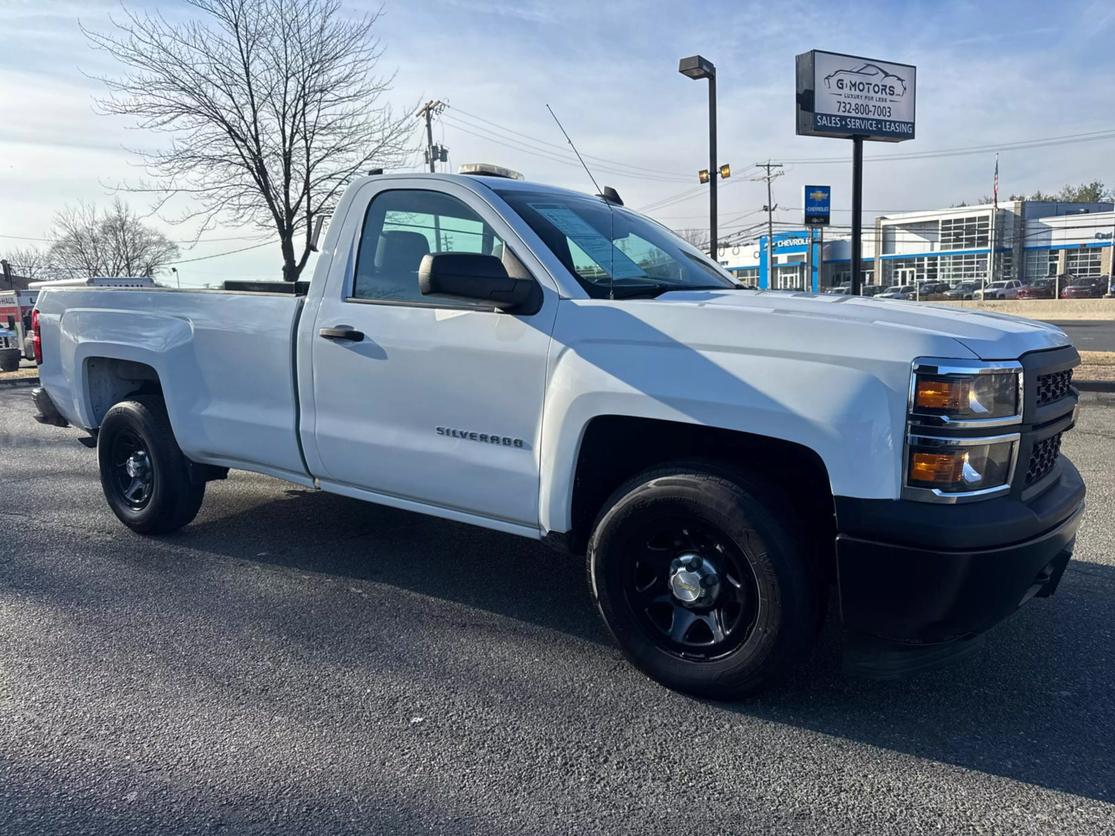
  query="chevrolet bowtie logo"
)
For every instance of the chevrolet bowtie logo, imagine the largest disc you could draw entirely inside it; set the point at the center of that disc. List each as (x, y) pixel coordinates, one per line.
(818, 196)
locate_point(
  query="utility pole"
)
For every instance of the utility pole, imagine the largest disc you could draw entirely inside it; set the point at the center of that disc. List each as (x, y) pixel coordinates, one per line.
(770, 207)
(431, 109)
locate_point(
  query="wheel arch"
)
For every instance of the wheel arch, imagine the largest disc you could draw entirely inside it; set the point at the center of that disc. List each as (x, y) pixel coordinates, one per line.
(613, 448)
(107, 380)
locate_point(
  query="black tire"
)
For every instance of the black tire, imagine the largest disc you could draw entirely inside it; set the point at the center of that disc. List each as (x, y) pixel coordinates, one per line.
(157, 495)
(736, 524)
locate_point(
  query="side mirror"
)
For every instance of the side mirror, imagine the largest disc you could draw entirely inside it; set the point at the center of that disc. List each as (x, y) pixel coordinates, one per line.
(479, 277)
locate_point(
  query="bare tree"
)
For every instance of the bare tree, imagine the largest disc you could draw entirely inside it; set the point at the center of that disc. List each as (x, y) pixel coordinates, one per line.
(110, 243)
(274, 106)
(697, 237)
(28, 262)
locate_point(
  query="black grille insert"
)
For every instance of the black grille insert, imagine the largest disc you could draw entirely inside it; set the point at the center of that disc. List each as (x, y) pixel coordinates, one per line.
(1042, 458)
(1053, 386)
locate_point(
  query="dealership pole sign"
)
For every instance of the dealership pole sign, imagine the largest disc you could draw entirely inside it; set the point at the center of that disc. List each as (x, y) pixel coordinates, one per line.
(845, 96)
(818, 205)
(849, 97)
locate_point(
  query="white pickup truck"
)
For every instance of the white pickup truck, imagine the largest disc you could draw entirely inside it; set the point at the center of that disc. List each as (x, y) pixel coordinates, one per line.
(552, 365)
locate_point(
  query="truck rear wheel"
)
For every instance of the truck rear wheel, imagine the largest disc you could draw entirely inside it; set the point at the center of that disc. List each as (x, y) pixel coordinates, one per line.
(144, 475)
(701, 582)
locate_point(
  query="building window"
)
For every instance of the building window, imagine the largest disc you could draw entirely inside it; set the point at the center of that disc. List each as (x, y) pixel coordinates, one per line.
(966, 233)
(1041, 263)
(1006, 266)
(960, 268)
(1083, 262)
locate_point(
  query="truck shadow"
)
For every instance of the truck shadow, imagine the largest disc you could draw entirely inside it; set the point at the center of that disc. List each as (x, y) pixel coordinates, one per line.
(1035, 703)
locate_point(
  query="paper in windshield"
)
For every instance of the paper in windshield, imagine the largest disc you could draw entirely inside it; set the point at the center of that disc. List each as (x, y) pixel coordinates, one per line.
(607, 255)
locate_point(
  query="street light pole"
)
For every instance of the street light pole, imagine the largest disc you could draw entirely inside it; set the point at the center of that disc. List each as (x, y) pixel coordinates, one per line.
(698, 67)
(713, 165)
(177, 278)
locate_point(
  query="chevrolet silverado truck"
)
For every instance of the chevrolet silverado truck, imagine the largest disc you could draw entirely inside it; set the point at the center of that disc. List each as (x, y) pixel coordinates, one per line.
(552, 365)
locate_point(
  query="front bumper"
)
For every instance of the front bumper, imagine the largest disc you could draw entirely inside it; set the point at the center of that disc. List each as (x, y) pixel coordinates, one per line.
(917, 574)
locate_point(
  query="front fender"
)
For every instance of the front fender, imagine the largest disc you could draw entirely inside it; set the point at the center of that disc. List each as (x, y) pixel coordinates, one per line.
(851, 416)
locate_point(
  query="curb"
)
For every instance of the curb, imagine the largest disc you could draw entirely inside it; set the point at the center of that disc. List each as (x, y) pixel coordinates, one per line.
(1095, 385)
(20, 381)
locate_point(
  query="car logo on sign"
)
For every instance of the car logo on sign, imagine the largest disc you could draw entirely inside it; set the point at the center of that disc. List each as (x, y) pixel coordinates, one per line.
(868, 78)
(818, 196)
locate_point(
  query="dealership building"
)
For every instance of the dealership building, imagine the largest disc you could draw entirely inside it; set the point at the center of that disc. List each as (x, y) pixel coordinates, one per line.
(1021, 239)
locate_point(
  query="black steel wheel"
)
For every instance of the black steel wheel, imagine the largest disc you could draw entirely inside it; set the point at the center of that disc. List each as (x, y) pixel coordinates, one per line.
(702, 580)
(133, 475)
(693, 586)
(145, 477)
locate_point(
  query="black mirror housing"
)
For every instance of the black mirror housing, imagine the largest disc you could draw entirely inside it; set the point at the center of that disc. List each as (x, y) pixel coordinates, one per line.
(482, 278)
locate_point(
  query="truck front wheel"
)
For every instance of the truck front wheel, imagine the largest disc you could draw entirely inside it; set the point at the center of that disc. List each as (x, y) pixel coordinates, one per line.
(144, 475)
(701, 580)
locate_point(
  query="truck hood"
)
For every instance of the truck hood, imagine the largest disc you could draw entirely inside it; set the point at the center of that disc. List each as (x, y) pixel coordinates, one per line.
(990, 336)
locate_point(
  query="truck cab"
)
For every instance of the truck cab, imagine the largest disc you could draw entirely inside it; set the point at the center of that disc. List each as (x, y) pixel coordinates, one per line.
(552, 365)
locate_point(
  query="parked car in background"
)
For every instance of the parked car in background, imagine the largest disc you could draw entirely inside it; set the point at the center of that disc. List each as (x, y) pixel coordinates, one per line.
(840, 290)
(932, 290)
(897, 291)
(1003, 289)
(961, 291)
(1038, 289)
(1084, 288)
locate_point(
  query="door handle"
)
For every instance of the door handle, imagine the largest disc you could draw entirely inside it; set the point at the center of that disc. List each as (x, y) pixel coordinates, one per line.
(343, 332)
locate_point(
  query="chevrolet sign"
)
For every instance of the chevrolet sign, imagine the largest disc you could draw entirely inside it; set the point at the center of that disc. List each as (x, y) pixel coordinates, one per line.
(818, 203)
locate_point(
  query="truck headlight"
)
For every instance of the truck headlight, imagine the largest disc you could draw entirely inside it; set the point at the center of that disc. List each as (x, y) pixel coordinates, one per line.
(961, 465)
(962, 429)
(963, 396)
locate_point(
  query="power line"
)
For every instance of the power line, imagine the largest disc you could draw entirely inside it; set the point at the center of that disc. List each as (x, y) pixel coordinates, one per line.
(1019, 145)
(553, 156)
(171, 240)
(219, 255)
(617, 163)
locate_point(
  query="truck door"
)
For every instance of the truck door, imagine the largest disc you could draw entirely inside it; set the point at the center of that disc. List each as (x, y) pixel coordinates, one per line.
(440, 401)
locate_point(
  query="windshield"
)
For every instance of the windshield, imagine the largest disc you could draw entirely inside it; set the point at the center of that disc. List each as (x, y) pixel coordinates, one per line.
(610, 249)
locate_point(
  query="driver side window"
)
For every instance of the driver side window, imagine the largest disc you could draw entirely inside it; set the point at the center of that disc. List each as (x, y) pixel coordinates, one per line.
(402, 226)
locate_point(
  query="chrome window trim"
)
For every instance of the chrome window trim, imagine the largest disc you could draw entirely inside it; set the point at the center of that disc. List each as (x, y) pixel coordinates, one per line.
(945, 367)
(954, 497)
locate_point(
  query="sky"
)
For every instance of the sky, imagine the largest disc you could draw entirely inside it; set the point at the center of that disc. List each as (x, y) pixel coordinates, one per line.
(989, 74)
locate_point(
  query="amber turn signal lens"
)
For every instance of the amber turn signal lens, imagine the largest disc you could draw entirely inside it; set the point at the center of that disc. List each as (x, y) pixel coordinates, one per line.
(949, 395)
(937, 468)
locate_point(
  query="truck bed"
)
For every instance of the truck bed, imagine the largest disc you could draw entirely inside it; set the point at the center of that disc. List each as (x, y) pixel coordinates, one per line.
(223, 360)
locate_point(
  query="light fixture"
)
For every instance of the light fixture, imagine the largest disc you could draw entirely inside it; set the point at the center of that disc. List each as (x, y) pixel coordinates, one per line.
(696, 66)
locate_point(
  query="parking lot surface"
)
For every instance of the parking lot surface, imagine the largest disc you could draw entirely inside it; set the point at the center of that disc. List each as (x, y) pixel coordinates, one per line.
(298, 662)
(1089, 334)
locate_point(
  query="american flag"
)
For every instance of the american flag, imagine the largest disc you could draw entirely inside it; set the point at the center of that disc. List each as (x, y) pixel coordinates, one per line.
(996, 190)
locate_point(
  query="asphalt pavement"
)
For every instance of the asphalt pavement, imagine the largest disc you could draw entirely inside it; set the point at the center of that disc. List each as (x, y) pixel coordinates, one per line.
(295, 662)
(1089, 334)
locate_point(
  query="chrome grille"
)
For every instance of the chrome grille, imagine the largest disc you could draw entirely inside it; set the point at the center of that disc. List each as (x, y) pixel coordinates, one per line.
(1053, 386)
(1042, 458)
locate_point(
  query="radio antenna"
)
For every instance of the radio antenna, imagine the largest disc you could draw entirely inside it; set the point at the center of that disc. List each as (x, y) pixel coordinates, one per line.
(575, 151)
